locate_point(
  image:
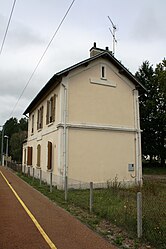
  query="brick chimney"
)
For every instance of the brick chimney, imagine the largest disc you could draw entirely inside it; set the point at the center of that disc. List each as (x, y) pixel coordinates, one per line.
(94, 50)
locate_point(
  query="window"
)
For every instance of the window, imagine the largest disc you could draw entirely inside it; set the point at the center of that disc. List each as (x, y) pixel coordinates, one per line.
(50, 117)
(38, 154)
(40, 118)
(49, 163)
(30, 152)
(32, 131)
(103, 72)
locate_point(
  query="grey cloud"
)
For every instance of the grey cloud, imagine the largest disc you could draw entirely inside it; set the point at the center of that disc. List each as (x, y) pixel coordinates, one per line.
(24, 37)
(12, 85)
(149, 26)
(19, 35)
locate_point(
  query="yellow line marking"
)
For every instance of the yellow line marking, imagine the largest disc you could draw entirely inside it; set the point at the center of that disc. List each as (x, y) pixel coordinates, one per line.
(42, 232)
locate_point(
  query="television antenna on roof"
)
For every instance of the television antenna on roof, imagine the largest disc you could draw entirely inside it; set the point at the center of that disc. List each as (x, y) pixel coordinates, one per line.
(113, 34)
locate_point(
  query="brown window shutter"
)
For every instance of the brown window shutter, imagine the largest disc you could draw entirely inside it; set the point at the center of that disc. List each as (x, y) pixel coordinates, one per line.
(47, 114)
(32, 124)
(51, 110)
(29, 161)
(49, 166)
(53, 107)
(42, 117)
(38, 154)
(38, 114)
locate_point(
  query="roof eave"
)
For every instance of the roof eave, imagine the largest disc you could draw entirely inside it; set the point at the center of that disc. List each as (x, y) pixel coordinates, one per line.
(55, 79)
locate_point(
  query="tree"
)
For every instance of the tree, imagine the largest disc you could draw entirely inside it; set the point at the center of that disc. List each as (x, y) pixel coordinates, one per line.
(160, 81)
(152, 110)
(11, 126)
(16, 145)
(23, 124)
(17, 133)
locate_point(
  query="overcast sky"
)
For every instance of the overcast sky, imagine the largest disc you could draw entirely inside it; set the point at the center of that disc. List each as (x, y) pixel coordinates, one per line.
(141, 35)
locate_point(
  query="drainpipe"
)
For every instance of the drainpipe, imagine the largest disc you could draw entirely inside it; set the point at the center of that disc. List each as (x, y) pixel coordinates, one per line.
(138, 141)
(64, 139)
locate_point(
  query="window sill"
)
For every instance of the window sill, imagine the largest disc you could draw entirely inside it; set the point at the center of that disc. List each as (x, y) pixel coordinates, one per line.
(103, 82)
(50, 124)
(49, 170)
(103, 79)
(38, 167)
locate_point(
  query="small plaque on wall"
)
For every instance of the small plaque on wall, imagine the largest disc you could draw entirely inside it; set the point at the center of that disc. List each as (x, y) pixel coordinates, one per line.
(130, 167)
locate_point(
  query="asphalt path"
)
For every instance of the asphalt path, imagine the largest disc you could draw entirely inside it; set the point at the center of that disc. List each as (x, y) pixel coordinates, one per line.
(28, 220)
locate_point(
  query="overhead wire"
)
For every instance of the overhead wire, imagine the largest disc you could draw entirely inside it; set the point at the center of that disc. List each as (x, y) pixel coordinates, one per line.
(41, 58)
(7, 28)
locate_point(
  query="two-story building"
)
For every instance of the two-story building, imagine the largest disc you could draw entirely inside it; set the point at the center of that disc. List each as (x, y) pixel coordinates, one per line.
(84, 124)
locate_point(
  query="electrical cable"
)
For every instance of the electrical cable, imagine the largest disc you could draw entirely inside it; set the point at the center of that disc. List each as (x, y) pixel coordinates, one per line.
(47, 47)
(10, 17)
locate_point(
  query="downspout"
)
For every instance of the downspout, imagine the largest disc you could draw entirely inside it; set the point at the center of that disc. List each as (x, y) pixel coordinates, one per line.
(64, 132)
(139, 144)
(138, 141)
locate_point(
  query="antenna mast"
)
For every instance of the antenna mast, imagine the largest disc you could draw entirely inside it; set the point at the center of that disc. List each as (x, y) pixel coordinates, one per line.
(113, 34)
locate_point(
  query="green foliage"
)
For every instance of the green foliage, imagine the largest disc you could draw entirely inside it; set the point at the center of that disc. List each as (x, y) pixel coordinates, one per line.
(153, 111)
(16, 145)
(154, 170)
(23, 124)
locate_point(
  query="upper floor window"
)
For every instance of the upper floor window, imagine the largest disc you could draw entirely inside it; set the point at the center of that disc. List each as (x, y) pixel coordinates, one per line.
(32, 130)
(50, 116)
(40, 118)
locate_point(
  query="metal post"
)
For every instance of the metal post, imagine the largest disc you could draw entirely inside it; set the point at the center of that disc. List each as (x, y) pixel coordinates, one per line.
(40, 177)
(33, 172)
(2, 145)
(51, 181)
(65, 188)
(6, 148)
(28, 171)
(91, 197)
(139, 214)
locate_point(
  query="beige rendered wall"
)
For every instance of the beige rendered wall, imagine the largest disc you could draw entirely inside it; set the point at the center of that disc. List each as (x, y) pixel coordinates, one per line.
(93, 154)
(47, 133)
(99, 104)
(99, 156)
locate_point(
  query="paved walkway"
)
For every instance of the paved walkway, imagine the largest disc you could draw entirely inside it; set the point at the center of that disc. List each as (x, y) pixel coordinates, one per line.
(54, 227)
